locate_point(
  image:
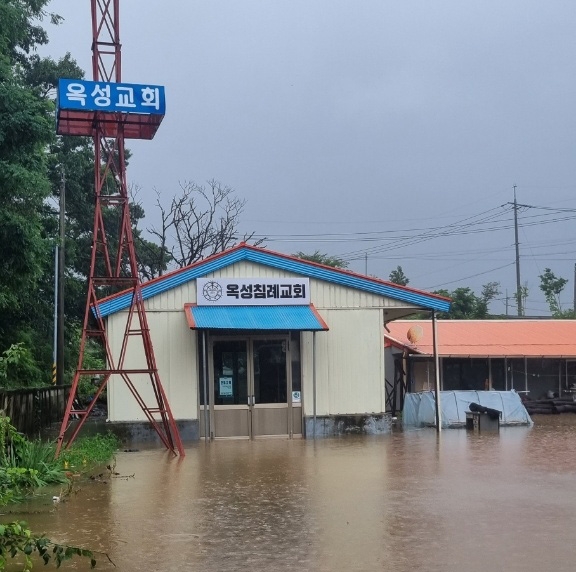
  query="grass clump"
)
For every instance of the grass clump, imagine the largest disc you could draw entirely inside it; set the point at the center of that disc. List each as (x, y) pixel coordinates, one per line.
(88, 452)
(29, 465)
(26, 465)
(38, 456)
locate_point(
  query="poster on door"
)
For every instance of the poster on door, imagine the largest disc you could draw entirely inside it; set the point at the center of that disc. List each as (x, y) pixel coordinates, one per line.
(226, 389)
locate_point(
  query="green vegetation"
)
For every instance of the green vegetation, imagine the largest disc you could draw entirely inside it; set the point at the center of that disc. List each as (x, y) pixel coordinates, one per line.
(16, 363)
(322, 258)
(468, 306)
(26, 130)
(397, 276)
(552, 287)
(26, 466)
(89, 452)
(16, 539)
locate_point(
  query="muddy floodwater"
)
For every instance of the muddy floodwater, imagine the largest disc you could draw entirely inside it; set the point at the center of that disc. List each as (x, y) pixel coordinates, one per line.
(405, 502)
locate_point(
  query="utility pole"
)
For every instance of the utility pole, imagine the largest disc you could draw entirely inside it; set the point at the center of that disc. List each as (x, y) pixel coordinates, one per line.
(366, 264)
(575, 289)
(55, 340)
(437, 405)
(518, 286)
(506, 302)
(61, 262)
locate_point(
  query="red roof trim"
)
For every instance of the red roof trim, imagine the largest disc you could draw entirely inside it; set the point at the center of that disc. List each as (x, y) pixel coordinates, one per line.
(177, 271)
(189, 316)
(319, 318)
(342, 271)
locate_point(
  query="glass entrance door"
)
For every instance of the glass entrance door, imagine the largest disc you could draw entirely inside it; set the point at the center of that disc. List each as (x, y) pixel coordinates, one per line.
(269, 387)
(229, 388)
(250, 385)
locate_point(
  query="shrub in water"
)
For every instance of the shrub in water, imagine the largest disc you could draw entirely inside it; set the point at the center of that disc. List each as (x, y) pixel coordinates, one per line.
(39, 456)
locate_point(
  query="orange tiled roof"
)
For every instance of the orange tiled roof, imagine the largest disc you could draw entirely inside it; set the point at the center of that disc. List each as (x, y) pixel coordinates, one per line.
(482, 338)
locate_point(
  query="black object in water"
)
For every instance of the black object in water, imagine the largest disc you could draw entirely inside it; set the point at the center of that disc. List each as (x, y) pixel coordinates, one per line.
(492, 413)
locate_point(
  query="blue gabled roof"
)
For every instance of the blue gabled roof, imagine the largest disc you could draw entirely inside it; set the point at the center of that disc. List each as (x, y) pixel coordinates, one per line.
(284, 262)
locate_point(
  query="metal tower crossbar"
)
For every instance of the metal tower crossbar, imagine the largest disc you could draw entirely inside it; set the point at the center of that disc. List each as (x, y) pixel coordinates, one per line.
(113, 264)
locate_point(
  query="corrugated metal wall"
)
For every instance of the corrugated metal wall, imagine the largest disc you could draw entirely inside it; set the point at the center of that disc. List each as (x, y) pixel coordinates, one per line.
(176, 357)
(349, 364)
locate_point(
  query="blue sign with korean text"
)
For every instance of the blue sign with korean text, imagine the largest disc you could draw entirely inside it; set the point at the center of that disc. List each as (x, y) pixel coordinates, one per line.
(84, 95)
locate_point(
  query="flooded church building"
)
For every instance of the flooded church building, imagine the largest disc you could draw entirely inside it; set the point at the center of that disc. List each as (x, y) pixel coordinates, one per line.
(252, 343)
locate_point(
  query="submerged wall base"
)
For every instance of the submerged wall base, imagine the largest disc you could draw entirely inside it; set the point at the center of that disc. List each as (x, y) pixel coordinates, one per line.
(135, 432)
(333, 425)
(142, 432)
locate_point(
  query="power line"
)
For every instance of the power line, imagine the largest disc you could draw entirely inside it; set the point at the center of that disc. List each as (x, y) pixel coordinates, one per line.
(403, 240)
(471, 276)
(388, 243)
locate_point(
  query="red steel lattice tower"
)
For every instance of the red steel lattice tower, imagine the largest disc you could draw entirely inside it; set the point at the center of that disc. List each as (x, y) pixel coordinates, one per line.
(113, 265)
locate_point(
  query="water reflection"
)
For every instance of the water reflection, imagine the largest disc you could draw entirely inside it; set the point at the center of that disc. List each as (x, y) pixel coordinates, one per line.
(405, 502)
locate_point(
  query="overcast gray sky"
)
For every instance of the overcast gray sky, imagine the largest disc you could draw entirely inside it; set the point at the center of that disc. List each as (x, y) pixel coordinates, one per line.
(353, 127)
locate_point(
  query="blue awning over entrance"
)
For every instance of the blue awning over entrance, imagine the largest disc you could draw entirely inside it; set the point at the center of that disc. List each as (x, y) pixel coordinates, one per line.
(304, 318)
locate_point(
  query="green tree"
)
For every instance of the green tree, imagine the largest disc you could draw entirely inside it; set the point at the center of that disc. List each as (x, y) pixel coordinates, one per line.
(489, 291)
(31, 162)
(398, 277)
(26, 129)
(321, 258)
(552, 287)
(463, 306)
(466, 305)
(20, 29)
(524, 291)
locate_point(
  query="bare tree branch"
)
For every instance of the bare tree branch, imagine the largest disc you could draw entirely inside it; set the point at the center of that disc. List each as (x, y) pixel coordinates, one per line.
(201, 221)
(152, 258)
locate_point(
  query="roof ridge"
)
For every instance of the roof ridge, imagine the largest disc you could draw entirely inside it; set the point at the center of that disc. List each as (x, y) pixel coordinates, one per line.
(288, 263)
